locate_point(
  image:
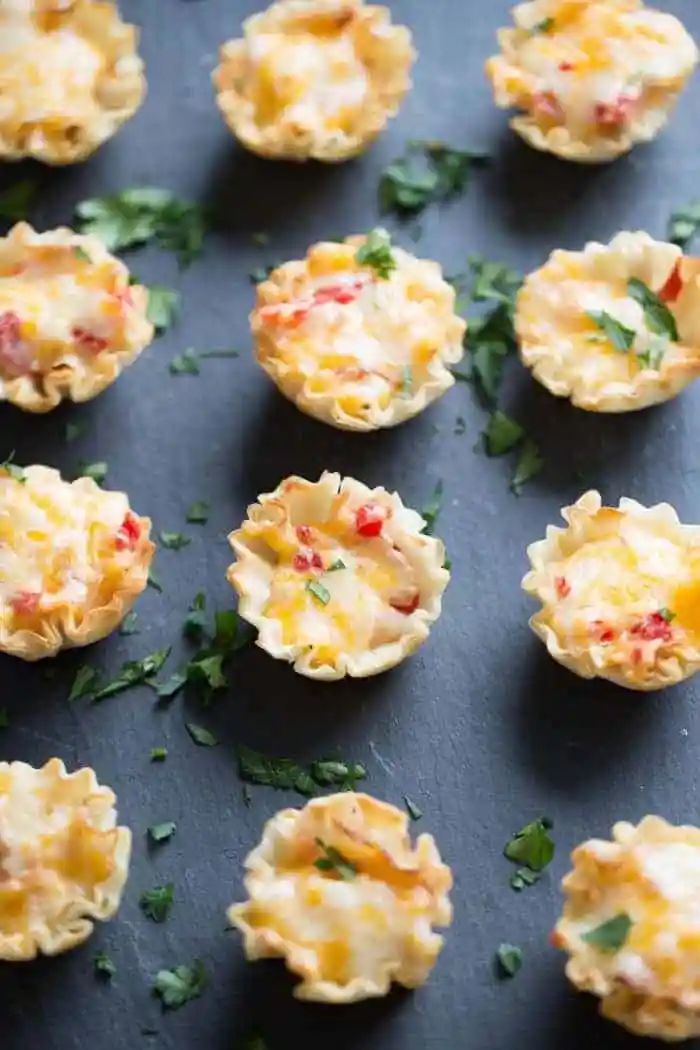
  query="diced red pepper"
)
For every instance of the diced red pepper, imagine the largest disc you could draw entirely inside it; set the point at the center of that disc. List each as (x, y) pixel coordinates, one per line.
(369, 519)
(25, 602)
(636, 655)
(615, 114)
(307, 559)
(654, 627)
(673, 287)
(563, 587)
(602, 631)
(128, 533)
(15, 355)
(406, 605)
(546, 104)
(338, 293)
(566, 67)
(88, 340)
(305, 533)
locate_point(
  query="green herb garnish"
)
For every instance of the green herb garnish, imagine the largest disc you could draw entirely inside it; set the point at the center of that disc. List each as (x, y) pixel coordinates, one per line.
(621, 337)
(200, 735)
(543, 27)
(611, 935)
(153, 581)
(376, 253)
(320, 593)
(337, 565)
(173, 541)
(509, 958)
(667, 614)
(132, 673)
(177, 987)
(103, 966)
(502, 434)
(684, 224)
(17, 200)
(84, 683)
(333, 860)
(74, 431)
(529, 465)
(14, 471)
(159, 754)
(97, 471)
(185, 364)
(431, 511)
(286, 775)
(196, 620)
(198, 512)
(522, 878)
(427, 172)
(163, 306)
(654, 355)
(412, 809)
(128, 624)
(156, 903)
(657, 315)
(80, 253)
(162, 832)
(532, 846)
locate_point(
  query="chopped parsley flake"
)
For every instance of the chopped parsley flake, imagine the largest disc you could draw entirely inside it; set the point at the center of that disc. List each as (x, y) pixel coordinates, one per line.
(543, 27)
(14, 471)
(522, 878)
(74, 431)
(621, 337)
(376, 253)
(128, 624)
(611, 935)
(200, 735)
(159, 754)
(162, 832)
(153, 581)
(163, 306)
(104, 967)
(509, 958)
(667, 615)
(198, 512)
(17, 200)
(337, 565)
(156, 903)
(261, 273)
(174, 541)
(97, 471)
(683, 226)
(502, 434)
(427, 172)
(654, 355)
(431, 511)
(177, 987)
(412, 809)
(132, 673)
(332, 860)
(532, 846)
(171, 686)
(321, 593)
(657, 315)
(80, 253)
(196, 620)
(529, 465)
(406, 381)
(185, 364)
(286, 775)
(84, 683)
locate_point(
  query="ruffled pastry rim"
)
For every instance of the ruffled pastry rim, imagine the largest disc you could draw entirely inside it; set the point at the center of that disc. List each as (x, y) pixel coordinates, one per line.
(591, 663)
(247, 576)
(60, 628)
(648, 387)
(79, 914)
(124, 82)
(261, 943)
(325, 406)
(300, 145)
(669, 1017)
(66, 381)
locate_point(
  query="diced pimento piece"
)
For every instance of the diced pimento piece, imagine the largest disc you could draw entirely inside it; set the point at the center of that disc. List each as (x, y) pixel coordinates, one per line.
(636, 655)
(129, 533)
(25, 602)
(406, 605)
(563, 587)
(546, 104)
(369, 519)
(15, 355)
(673, 287)
(307, 559)
(88, 340)
(339, 293)
(305, 534)
(602, 631)
(653, 628)
(615, 114)
(566, 67)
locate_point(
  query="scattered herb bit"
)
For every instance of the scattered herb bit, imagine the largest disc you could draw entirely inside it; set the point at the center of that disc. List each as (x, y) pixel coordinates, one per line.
(156, 903)
(654, 355)
(431, 511)
(128, 624)
(261, 273)
(491, 337)
(163, 306)
(493, 281)
(657, 315)
(328, 771)
(321, 593)
(376, 252)
(154, 581)
(171, 686)
(159, 754)
(80, 253)
(207, 671)
(97, 471)
(667, 614)
(14, 471)
(196, 620)
(426, 173)
(142, 214)
(185, 364)
(104, 967)
(509, 958)
(529, 465)
(161, 832)
(74, 431)
(532, 846)
(177, 987)
(406, 381)
(198, 512)
(228, 638)
(523, 878)
(84, 683)
(621, 337)
(174, 541)
(219, 353)
(283, 774)
(132, 673)
(683, 226)
(4, 718)
(337, 565)
(611, 935)
(334, 861)
(412, 809)
(17, 200)
(502, 434)
(543, 27)
(260, 238)
(200, 735)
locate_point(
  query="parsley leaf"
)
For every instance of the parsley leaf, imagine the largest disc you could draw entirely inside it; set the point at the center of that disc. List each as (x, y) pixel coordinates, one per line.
(427, 172)
(493, 281)
(173, 541)
(261, 273)
(200, 735)
(529, 465)
(431, 511)
(162, 832)
(284, 774)
(97, 471)
(490, 337)
(196, 620)
(333, 860)
(376, 252)
(163, 306)
(84, 683)
(128, 624)
(327, 771)
(14, 471)
(621, 337)
(142, 214)
(132, 673)
(412, 809)
(337, 565)
(667, 614)
(532, 846)
(321, 593)
(17, 200)
(74, 431)
(509, 958)
(502, 434)
(104, 967)
(684, 224)
(159, 754)
(177, 987)
(153, 581)
(198, 512)
(185, 364)
(523, 877)
(543, 27)
(654, 354)
(657, 315)
(156, 903)
(171, 686)
(611, 935)
(207, 670)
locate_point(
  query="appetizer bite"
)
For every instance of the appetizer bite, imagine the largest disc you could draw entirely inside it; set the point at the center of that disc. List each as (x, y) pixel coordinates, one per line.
(620, 593)
(314, 78)
(360, 333)
(340, 893)
(631, 926)
(337, 578)
(70, 78)
(70, 321)
(615, 327)
(591, 78)
(63, 860)
(73, 559)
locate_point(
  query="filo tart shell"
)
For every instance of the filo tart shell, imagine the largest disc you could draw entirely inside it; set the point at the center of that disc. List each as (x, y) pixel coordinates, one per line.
(311, 360)
(383, 49)
(399, 892)
(584, 35)
(649, 984)
(268, 543)
(63, 859)
(556, 334)
(122, 569)
(75, 373)
(643, 568)
(34, 32)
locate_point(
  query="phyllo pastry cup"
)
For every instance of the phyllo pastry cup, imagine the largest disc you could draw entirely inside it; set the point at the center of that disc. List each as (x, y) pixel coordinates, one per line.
(70, 76)
(314, 78)
(615, 327)
(340, 893)
(355, 343)
(63, 860)
(73, 559)
(620, 593)
(590, 78)
(336, 577)
(631, 928)
(70, 320)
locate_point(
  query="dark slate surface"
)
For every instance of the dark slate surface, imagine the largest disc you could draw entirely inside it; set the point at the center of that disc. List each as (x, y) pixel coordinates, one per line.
(481, 728)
